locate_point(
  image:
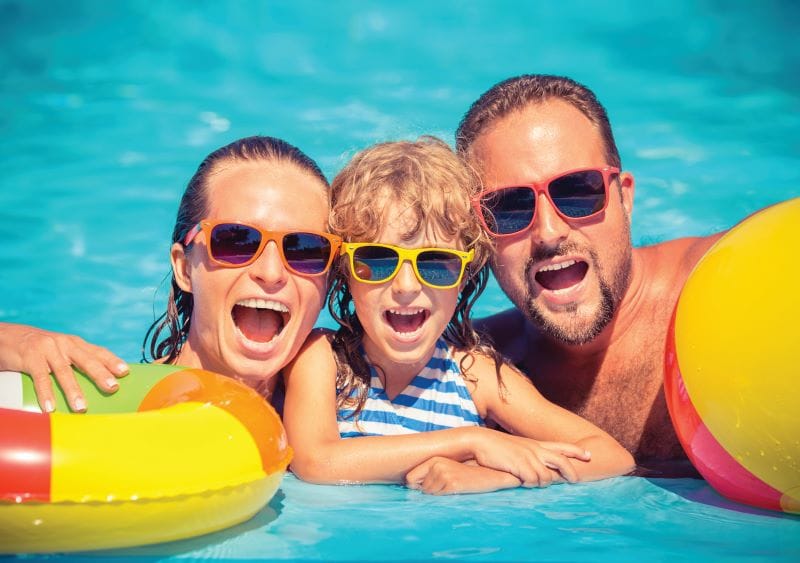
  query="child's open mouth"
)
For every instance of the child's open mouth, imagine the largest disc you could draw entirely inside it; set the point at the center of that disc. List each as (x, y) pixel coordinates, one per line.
(260, 320)
(408, 320)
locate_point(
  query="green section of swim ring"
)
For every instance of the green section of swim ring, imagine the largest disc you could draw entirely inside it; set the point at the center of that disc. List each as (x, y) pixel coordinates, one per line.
(132, 389)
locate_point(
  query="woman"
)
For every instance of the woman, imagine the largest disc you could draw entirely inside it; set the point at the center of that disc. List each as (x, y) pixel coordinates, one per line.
(248, 281)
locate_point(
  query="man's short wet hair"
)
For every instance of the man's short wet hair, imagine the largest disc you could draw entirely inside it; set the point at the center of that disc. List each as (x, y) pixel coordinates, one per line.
(515, 94)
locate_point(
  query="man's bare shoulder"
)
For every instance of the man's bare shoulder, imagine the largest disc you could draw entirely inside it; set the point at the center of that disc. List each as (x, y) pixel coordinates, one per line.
(679, 250)
(672, 261)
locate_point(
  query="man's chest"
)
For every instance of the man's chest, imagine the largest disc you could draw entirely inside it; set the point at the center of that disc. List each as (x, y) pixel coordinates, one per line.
(620, 390)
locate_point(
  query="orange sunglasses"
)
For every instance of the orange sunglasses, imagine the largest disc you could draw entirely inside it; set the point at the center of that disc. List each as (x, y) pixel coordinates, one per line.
(232, 244)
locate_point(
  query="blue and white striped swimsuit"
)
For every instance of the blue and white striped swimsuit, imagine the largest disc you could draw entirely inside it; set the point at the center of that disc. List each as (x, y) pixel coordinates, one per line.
(436, 399)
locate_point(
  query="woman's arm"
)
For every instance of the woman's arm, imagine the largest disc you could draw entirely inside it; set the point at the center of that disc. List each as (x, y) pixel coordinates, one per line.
(40, 352)
(321, 456)
(522, 410)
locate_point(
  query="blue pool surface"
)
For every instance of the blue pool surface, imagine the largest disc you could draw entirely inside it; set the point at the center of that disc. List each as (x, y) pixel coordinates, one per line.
(106, 109)
(621, 519)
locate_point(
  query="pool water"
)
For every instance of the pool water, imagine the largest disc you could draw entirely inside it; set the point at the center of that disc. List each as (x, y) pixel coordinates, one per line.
(106, 108)
(673, 519)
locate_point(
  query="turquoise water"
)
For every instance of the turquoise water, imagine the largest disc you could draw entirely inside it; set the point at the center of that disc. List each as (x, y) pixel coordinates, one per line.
(674, 519)
(106, 108)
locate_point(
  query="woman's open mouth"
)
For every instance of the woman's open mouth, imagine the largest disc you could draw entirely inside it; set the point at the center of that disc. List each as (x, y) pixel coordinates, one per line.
(260, 320)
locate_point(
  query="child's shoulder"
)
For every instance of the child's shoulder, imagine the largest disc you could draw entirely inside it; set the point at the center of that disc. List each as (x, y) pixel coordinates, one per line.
(320, 334)
(481, 362)
(317, 346)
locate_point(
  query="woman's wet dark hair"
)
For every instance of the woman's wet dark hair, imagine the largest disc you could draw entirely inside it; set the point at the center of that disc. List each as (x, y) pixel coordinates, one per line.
(165, 337)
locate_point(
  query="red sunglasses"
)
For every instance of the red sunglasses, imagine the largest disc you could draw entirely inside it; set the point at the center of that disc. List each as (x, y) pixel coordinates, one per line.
(575, 194)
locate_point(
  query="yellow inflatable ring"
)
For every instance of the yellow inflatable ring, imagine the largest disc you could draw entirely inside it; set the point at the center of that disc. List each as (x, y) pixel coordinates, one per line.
(174, 453)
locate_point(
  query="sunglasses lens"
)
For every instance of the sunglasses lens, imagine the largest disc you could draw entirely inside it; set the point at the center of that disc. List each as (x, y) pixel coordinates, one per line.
(509, 210)
(374, 263)
(234, 244)
(306, 253)
(579, 194)
(438, 268)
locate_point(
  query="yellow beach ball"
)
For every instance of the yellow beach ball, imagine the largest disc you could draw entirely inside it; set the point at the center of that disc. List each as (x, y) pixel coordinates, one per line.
(733, 361)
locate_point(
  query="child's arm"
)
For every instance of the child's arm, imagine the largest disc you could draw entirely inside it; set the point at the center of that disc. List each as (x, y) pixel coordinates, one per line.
(443, 476)
(523, 411)
(321, 456)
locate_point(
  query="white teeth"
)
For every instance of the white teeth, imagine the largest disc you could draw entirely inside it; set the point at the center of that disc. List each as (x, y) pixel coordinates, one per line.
(408, 312)
(254, 303)
(559, 266)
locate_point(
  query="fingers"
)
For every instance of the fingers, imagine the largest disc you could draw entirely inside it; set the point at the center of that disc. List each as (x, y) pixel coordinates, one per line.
(525, 460)
(416, 476)
(536, 474)
(534, 463)
(568, 450)
(562, 465)
(43, 353)
(430, 477)
(69, 385)
(444, 476)
(40, 356)
(40, 375)
(98, 364)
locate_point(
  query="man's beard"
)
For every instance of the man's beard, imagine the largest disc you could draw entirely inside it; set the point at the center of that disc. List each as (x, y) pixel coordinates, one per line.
(572, 330)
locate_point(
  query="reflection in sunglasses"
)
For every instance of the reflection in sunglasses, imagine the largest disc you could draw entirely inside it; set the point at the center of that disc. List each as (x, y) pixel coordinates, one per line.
(577, 194)
(236, 245)
(379, 263)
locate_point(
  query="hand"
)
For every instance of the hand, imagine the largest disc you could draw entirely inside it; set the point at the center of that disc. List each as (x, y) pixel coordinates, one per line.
(444, 476)
(534, 463)
(39, 352)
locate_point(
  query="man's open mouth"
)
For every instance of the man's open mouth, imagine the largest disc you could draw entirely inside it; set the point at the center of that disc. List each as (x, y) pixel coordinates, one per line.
(406, 321)
(260, 320)
(562, 274)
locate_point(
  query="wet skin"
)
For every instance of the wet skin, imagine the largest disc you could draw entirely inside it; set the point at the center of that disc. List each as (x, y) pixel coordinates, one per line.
(606, 368)
(402, 349)
(250, 322)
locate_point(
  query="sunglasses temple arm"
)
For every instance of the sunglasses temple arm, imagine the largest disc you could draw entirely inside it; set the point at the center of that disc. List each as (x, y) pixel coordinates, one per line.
(191, 234)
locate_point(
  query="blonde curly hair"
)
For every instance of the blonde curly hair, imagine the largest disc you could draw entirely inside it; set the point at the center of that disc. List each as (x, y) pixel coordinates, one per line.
(425, 179)
(433, 187)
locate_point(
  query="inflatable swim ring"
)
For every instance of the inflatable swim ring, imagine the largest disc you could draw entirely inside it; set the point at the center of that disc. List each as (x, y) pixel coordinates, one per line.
(732, 379)
(174, 453)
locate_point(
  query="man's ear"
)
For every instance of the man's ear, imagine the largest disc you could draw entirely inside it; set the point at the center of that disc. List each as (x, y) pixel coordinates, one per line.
(627, 186)
(180, 267)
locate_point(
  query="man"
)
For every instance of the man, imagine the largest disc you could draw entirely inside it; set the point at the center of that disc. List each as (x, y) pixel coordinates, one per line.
(592, 312)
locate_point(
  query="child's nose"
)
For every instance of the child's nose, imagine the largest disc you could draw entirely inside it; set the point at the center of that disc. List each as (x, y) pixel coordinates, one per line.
(406, 280)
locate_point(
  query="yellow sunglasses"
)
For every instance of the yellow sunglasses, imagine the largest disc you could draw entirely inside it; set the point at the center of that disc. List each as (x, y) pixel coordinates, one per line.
(440, 268)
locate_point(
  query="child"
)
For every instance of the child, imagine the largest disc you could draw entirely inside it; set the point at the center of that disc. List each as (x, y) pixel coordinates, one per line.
(404, 389)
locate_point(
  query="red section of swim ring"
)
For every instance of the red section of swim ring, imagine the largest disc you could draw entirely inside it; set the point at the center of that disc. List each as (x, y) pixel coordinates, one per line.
(25, 456)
